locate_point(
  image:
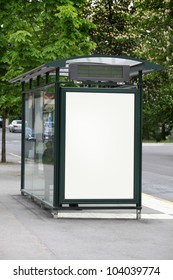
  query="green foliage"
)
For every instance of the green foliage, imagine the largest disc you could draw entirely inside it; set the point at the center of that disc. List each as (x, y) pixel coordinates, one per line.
(158, 107)
(144, 29)
(113, 20)
(154, 28)
(34, 32)
(41, 31)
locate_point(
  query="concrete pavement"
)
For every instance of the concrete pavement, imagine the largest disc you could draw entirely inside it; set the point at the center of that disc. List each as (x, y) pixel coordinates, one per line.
(29, 232)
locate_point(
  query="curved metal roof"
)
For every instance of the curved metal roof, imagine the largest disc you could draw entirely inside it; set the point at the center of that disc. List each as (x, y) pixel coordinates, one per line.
(135, 64)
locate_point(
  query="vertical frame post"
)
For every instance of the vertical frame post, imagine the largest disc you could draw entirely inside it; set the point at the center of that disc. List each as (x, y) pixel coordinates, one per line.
(139, 139)
(47, 78)
(38, 81)
(30, 84)
(56, 202)
(23, 138)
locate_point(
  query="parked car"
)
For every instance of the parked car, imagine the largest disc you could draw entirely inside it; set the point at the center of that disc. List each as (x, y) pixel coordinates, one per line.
(15, 126)
(0, 121)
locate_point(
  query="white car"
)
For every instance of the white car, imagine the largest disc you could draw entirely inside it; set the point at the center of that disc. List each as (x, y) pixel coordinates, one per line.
(15, 126)
(0, 121)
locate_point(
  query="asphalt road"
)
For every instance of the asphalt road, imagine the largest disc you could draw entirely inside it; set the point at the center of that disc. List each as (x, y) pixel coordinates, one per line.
(158, 170)
(157, 165)
(13, 144)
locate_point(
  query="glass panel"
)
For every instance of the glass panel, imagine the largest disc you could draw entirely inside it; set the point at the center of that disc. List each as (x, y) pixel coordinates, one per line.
(39, 143)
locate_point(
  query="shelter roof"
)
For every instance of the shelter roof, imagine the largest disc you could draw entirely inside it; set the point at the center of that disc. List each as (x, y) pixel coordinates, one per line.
(135, 65)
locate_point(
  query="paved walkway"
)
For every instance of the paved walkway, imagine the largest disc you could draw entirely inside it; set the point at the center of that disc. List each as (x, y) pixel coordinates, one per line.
(30, 232)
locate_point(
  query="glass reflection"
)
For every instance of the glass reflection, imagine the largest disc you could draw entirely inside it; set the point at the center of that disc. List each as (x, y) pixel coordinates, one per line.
(39, 143)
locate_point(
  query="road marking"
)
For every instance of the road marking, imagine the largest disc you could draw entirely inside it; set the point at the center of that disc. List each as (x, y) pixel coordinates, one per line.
(158, 204)
(156, 216)
(14, 155)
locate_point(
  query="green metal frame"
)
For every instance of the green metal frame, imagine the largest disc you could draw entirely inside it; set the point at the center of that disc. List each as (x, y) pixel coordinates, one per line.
(23, 139)
(59, 164)
(60, 168)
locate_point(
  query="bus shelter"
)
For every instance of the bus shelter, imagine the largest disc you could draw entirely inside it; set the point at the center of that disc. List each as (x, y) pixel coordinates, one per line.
(81, 132)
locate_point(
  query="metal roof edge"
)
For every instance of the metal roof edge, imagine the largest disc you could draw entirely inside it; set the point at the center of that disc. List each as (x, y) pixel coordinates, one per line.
(61, 62)
(13, 80)
(145, 65)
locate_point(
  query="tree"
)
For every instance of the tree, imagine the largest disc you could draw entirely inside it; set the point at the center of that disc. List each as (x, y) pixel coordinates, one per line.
(113, 20)
(41, 31)
(141, 28)
(10, 104)
(158, 108)
(37, 31)
(10, 100)
(154, 27)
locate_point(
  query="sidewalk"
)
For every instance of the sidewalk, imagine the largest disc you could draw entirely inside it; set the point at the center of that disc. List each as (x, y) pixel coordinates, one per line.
(29, 232)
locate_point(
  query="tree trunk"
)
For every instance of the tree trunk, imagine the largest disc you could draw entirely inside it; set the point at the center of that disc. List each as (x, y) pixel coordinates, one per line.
(163, 132)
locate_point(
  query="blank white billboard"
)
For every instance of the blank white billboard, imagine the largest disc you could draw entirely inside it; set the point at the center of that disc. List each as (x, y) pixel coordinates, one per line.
(99, 145)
